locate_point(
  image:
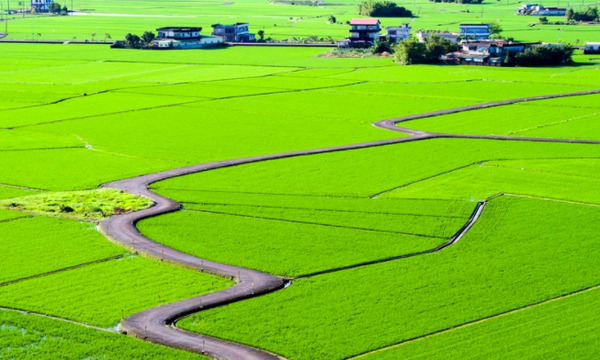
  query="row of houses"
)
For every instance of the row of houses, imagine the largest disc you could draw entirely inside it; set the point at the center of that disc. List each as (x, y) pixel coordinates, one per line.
(192, 38)
(540, 10)
(486, 52)
(365, 32)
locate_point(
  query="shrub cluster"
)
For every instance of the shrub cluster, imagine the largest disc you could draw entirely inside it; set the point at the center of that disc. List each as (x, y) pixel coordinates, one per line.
(411, 51)
(382, 9)
(542, 56)
(590, 14)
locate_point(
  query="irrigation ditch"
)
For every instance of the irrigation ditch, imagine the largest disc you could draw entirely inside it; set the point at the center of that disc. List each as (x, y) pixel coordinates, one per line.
(158, 324)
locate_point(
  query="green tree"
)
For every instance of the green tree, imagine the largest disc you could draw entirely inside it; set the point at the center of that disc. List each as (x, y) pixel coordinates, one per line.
(495, 28)
(261, 34)
(132, 40)
(64, 11)
(382, 9)
(410, 51)
(332, 19)
(147, 37)
(436, 46)
(54, 8)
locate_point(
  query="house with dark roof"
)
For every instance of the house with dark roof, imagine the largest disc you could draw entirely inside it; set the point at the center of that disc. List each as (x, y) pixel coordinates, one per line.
(183, 38)
(238, 32)
(591, 48)
(486, 52)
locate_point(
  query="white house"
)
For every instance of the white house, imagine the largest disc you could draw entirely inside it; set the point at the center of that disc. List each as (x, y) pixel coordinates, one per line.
(475, 31)
(452, 37)
(184, 38)
(41, 5)
(399, 33)
(540, 10)
(238, 32)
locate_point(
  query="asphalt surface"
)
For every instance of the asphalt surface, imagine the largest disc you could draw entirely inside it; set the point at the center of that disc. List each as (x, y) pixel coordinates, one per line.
(158, 324)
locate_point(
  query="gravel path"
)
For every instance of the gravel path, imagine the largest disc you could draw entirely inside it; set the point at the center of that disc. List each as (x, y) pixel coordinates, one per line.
(158, 324)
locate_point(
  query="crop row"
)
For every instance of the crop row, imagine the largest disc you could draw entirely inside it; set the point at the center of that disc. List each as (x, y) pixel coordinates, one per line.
(25, 336)
(504, 263)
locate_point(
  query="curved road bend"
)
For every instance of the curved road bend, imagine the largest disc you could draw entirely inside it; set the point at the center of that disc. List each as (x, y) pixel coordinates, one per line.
(156, 324)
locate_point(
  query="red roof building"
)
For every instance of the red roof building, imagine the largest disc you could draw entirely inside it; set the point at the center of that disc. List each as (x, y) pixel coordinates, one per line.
(364, 31)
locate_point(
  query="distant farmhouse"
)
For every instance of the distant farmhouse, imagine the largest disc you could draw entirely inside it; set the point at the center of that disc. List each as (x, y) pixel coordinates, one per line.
(486, 52)
(364, 32)
(183, 38)
(399, 33)
(234, 33)
(475, 31)
(592, 48)
(452, 37)
(540, 10)
(41, 5)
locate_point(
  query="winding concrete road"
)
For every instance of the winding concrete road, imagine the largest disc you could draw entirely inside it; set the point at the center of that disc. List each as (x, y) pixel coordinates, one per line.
(158, 324)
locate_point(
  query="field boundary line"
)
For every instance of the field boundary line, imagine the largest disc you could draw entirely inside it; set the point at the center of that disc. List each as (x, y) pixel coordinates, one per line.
(21, 187)
(324, 210)
(42, 149)
(479, 321)
(314, 223)
(14, 219)
(453, 240)
(150, 324)
(57, 271)
(485, 163)
(33, 313)
(552, 199)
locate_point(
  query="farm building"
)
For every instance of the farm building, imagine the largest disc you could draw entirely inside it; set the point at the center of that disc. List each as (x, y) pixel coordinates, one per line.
(592, 48)
(485, 52)
(475, 31)
(183, 38)
(398, 33)
(41, 5)
(234, 33)
(364, 32)
(452, 37)
(540, 10)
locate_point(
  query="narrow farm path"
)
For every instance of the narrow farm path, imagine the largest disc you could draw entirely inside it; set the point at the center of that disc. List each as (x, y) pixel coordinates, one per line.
(158, 324)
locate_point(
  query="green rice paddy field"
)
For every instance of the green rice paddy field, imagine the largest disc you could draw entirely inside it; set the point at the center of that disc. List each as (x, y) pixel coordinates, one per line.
(284, 21)
(73, 117)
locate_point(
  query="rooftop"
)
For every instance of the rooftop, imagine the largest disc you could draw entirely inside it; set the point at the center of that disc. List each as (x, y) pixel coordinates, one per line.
(364, 22)
(174, 28)
(236, 24)
(486, 25)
